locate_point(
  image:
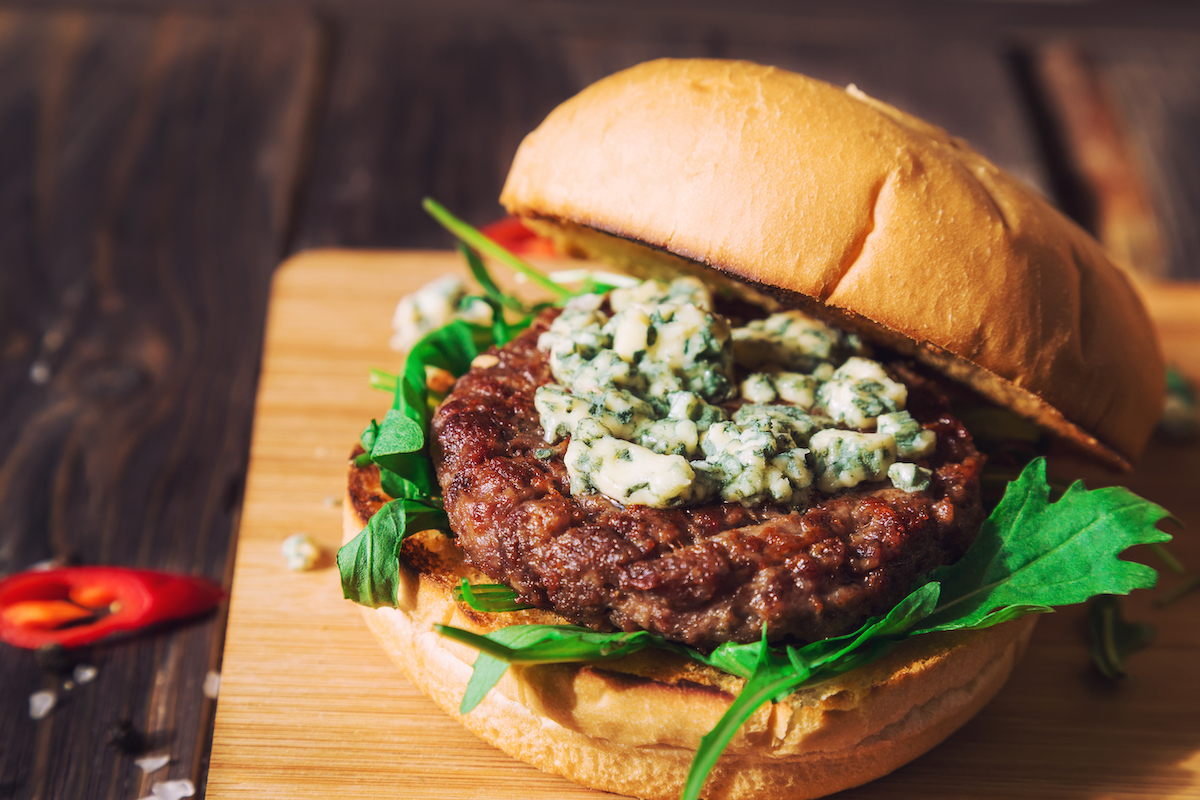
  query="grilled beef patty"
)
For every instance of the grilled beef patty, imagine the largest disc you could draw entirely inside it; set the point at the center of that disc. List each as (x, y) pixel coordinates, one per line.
(703, 575)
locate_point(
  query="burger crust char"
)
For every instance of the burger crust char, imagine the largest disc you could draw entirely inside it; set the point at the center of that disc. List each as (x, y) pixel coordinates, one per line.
(843, 202)
(705, 575)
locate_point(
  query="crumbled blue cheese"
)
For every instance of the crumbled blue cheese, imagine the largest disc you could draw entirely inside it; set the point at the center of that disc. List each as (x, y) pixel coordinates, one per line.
(758, 388)
(909, 477)
(789, 338)
(912, 441)
(433, 305)
(300, 552)
(559, 410)
(652, 293)
(781, 421)
(627, 472)
(776, 384)
(847, 458)
(752, 466)
(630, 331)
(858, 392)
(650, 350)
(622, 413)
(797, 389)
(689, 405)
(639, 393)
(672, 436)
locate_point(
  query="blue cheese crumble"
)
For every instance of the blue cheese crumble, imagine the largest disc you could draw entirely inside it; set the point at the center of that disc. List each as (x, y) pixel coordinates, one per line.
(912, 441)
(627, 472)
(435, 304)
(645, 385)
(909, 477)
(847, 458)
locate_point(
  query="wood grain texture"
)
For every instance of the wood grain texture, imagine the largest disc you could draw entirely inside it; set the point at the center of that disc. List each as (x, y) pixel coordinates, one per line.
(1101, 153)
(1155, 85)
(146, 169)
(450, 102)
(311, 707)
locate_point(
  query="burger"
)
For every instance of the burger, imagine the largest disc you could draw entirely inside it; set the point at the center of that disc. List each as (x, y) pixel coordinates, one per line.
(720, 532)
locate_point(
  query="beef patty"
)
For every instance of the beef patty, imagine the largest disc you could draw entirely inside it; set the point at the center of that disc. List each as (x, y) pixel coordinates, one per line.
(702, 575)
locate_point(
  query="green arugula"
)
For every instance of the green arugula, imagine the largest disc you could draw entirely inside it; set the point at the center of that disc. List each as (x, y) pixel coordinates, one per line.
(369, 563)
(383, 381)
(1111, 639)
(1065, 553)
(491, 598)
(477, 241)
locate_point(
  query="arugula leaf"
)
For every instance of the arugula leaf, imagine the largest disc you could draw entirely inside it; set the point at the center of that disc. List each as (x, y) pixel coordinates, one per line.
(483, 244)
(488, 669)
(1032, 554)
(502, 332)
(367, 437)
(396, 436)
(1111, 639)
(491, 598)
(451, 347)
(484, 278)
(424, 488)
(775, 676)
(485, 674)
(558, 644)
(382, 380)
(370, 562)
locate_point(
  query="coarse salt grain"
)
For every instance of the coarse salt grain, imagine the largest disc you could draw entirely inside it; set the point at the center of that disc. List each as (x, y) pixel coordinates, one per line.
(40, 704)
(153, 763)
(212, 684)
(84, 673)
(39, 373)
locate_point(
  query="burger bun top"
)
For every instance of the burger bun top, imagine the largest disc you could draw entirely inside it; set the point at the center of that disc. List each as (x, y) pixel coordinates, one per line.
(845, 205)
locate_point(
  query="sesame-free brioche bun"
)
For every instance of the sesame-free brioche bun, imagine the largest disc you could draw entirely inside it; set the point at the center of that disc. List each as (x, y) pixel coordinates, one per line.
(632, 725)
(857, 211)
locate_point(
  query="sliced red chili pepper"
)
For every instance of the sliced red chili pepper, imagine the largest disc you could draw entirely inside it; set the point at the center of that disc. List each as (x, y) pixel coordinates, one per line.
(80, 605)
(511, 234)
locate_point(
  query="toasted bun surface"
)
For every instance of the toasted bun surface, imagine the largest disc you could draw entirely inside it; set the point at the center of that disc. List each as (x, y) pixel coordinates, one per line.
(838, 200)
(632, 726)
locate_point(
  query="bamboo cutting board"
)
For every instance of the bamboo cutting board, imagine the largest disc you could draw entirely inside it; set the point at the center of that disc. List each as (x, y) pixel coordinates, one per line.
(310, 707)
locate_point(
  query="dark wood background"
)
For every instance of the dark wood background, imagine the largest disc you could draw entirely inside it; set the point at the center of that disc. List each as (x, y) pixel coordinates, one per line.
(158, 160)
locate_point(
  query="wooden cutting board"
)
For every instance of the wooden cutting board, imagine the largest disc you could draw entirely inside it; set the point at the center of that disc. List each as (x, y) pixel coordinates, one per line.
(310, 707)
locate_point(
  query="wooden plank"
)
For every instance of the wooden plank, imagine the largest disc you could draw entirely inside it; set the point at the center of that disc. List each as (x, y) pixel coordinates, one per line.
(1118, 207)
(146, 168)
(1155, 85)
(311, 707)
(438, 108)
